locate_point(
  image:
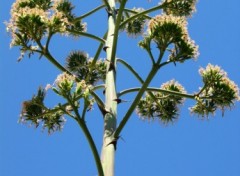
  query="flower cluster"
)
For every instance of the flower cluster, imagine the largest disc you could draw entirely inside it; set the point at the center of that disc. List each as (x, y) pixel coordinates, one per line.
(67, 87)
(219, 92)
(81, 65)
(162, 105)
(33, 19)
(35, 113)
(135, 27)
(171, 31)
(65, 82)
(179, 7)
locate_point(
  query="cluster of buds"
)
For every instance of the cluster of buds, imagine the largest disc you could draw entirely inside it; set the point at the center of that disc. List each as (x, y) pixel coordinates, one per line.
(171, 31)
(35, 113)
(33, 19)
(162, 106)
(179, 7)
(82, 66)
(67, 87)
(136, 26)
(219, 92)
(64, 83)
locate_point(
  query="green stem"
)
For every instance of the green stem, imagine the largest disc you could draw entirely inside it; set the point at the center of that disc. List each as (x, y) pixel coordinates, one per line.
(84, 110)
(97, 99)
(136, 100)
(151, 56)
(153, 89)
(116, 30)
(107, 4)
(56, 63)
(151, 75)
(134, 12)
(101, 86)
(89, 13)
(99, 50)
(110, 119)
(92, 146)
(141, 14)
(88, 35)
(76, 98)
(88, 135)
(47, 54)
(129, 67)
(137, 76)
(48, 39)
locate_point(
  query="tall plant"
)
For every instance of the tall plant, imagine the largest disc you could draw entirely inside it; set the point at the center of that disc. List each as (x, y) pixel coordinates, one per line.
(32, 25)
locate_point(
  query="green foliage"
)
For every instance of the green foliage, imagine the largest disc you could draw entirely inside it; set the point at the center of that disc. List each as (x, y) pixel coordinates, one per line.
(35, 113)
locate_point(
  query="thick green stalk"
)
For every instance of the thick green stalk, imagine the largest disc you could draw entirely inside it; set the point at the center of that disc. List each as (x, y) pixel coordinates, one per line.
(110, 119)
(117, 27)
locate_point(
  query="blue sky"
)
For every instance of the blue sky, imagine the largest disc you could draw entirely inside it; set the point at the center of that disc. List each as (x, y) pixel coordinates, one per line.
(190, 147)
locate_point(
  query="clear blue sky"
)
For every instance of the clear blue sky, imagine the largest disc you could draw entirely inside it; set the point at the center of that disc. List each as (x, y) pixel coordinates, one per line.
(190, 147)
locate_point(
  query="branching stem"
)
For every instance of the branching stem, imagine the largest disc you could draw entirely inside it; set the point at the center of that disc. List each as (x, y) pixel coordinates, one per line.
(89, 13)
(92, 146)
(125, 119)
(141, 14)
(88, 135)
(88, 35)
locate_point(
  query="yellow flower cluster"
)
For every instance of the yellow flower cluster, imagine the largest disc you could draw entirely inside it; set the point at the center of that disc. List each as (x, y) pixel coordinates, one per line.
(219, 92)
(164, 105)
(215, 73)
(161, 20)
(35, 20)
(169, 29)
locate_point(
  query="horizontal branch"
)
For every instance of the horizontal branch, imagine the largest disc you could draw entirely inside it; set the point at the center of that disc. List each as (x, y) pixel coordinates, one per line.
(153, 89)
